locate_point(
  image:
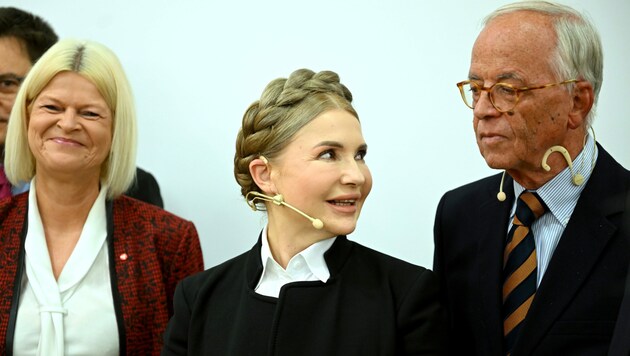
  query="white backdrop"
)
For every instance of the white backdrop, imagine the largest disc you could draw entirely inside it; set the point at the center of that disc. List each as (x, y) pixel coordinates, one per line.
(196, 65)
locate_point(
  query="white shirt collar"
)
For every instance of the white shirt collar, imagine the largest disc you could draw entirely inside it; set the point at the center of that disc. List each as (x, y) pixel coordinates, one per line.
(308, 265)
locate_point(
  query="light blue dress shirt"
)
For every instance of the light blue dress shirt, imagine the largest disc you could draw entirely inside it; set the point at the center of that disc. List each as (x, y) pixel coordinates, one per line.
(561, 196)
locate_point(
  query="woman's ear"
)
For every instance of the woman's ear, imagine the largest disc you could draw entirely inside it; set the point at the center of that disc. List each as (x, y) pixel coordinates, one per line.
(583, 99)
(260, 170)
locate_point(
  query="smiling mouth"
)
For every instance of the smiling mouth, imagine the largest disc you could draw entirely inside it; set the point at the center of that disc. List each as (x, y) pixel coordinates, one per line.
(345, 202)
(65, 141)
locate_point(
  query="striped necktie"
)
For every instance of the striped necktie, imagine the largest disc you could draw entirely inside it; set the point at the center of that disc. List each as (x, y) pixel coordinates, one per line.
(520, 266)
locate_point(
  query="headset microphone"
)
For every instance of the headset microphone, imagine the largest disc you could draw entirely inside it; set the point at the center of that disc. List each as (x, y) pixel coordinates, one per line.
(278, 199)
(577, 178)
(500, 195)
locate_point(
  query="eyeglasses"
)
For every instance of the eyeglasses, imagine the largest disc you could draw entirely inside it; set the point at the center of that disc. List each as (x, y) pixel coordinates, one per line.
(503, 96)
(10, 84)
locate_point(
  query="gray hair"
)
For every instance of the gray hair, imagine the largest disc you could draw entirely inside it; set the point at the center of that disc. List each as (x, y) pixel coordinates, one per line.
(578, 50)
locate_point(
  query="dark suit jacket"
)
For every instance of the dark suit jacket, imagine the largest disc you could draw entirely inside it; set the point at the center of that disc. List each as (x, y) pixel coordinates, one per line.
(577, 302)
(150, 250)
(620, 345)
(373, 304)
(145, 188)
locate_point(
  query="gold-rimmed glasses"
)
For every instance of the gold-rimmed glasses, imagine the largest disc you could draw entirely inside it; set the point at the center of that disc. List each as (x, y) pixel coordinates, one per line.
(9, 85)
(503, 96)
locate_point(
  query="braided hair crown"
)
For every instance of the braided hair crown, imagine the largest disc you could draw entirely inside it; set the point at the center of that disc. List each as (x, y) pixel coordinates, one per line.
(285, 106)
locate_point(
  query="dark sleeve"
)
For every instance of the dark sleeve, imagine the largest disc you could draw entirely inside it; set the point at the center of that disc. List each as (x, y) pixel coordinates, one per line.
(620, 344)
(146, 188)
(186, 261)
(176, 335)
(437, 242)
(422, 322)
(439, 268)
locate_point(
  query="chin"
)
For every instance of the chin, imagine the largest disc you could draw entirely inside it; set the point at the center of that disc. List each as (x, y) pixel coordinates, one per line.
(493, 165)
(495, 161)
(341, 229)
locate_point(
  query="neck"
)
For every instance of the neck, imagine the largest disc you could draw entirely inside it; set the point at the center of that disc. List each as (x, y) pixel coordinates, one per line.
(63, 207)
(289, 235)
(534, 179)
(534, 176)
(62, 204)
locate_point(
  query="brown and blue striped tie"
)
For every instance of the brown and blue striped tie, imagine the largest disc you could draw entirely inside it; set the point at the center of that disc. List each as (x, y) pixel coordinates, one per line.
(520, 266)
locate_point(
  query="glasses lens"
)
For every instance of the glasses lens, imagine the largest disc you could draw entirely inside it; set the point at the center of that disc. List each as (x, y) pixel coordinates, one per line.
(503, 96)
(469, 94)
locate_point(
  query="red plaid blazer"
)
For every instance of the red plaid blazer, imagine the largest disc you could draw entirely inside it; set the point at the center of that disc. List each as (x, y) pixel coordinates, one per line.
(150, 250)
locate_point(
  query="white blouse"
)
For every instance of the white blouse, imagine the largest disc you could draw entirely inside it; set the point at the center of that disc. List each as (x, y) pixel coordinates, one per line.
(73, 315)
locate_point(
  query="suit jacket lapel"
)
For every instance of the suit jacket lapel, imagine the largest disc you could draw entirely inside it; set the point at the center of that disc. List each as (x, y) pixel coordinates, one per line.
(580, 246)
(495, 216)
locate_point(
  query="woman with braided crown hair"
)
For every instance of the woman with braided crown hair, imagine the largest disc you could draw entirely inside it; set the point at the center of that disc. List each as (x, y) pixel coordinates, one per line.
(304, 288)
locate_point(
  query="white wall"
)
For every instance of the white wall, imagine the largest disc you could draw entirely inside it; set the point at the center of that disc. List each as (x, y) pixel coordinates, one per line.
(196, 65)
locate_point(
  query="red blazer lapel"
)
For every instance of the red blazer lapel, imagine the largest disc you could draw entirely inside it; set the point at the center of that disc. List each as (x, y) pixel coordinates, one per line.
(13, 215)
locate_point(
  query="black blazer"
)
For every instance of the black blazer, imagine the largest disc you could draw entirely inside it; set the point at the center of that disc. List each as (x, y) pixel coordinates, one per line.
(145, 188)
(620, 345)
(373, 304)
(577, 302)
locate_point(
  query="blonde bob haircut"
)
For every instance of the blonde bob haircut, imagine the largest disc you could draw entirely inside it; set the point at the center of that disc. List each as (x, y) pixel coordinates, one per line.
(99, 65)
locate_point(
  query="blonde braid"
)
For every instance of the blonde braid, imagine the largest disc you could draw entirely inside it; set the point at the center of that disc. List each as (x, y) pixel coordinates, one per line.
(286, 105)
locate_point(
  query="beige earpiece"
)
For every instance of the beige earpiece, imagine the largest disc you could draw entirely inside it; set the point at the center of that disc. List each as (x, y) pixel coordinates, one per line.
(577, 179)
(278, 199)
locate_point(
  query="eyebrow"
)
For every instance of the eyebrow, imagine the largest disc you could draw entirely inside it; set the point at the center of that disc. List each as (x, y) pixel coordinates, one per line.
(338, 145)
(329, 143)
(500, 77)
(45, 96)
(56, 100)
(509, 76)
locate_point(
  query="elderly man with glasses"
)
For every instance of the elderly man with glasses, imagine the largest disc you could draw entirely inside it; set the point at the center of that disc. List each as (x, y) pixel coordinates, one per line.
(533, 260)
(23, 39)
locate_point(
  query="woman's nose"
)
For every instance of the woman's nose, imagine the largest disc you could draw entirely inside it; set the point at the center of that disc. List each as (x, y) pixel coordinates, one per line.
(68, 119)
(353, 173)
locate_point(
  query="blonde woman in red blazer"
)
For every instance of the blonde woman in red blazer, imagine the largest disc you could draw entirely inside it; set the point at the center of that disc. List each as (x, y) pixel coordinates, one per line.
(83, 268)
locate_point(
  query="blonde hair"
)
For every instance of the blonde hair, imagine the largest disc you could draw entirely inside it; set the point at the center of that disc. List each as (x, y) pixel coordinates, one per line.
(100, 65)
(285, 106)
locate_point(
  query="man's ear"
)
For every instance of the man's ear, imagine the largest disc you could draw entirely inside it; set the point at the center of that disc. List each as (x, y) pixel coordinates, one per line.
(583, 99)
(260, 171)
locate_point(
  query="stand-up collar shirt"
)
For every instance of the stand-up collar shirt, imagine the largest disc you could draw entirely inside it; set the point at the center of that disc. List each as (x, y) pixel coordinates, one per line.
(308, 265)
